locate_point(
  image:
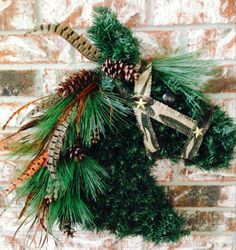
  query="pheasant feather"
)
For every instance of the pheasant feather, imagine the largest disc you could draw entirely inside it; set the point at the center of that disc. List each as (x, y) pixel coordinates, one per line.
(20, 109)
(55, 143)
(50, 101)
(77, 41)
(33, 167)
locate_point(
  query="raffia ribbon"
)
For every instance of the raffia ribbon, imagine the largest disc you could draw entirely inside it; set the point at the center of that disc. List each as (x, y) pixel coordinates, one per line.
(162, 113)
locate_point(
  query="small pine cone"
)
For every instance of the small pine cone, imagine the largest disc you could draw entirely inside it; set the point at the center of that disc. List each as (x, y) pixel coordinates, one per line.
(96, 136)
(76, 152)
(77, 82)
(118, 69)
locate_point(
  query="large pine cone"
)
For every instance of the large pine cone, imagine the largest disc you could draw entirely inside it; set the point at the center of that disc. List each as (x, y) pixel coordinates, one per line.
(77, 82)
(118, 69)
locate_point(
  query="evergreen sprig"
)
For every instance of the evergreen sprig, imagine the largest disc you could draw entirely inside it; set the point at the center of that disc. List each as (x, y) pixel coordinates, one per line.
(114, 40)
(33, 142)
(184, 74)
(132, 203)
(101, 109)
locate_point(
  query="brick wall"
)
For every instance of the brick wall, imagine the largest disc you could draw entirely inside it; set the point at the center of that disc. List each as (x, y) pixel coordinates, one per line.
(32, 66)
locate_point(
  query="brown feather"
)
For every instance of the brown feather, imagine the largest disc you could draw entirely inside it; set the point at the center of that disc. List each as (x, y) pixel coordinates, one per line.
(33, 167)
(20, 109)
(77, 41)
(55, 144)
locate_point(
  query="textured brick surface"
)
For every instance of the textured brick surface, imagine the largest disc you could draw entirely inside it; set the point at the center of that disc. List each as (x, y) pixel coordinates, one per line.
(210, 221)
(214, 43)
(227, 104)
(17, 14)
(164, 170)
(198, 242)
(194, 174)
(35, 64)
(191, 12)
(226, 81)
(34, 49)
(17, 83)
(79, 13)
(203, 196)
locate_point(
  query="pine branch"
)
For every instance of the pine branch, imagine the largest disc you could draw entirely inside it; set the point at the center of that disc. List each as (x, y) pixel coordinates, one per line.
(114, 40)
(101, 109)
(185, 74)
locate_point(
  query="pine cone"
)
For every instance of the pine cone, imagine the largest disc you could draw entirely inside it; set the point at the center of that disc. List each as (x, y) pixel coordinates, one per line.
(77, 82)
(96, 136)
(76, 152)
(118, 69)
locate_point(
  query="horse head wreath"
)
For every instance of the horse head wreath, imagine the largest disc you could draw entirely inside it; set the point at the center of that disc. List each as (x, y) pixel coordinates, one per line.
(92, 142)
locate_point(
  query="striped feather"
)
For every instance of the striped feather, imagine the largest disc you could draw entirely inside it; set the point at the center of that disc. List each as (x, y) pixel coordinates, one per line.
(55, 144)
(22, 128)
(33, 167)
(77, 41)
(43, 105)
(20, 109)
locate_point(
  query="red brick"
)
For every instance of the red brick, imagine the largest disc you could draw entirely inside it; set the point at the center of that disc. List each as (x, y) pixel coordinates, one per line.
(8, 170)
(34, 49)
(17, 14)
(163, 170)
(132, 243)
(202, 196)
(81, 241)
(195, 174)
(216, 44)
(89, 240)
(210, 221)
(227, 104)
(195, 242)
(17, 83)
(79, 13)
(193, 12)
(8, 106)
(9, 220)
(225, 82)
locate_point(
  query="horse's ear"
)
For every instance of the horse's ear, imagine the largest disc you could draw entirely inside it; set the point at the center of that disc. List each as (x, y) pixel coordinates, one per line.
(80, 42)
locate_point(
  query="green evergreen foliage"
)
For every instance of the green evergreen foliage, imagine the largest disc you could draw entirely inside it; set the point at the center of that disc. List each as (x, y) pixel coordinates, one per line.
(173, 75)
(83, 178)
(112, 188)
(114, 40)
(32, 143)
(185, 74)
(102, 108)
(134, 204)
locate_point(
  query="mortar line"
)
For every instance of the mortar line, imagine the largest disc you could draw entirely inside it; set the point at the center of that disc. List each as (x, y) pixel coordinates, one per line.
(37, 12)
(198, 183)
(149, 13)
(222, 95)
(211, 233)
(234, 241)
(185, 27)
(207, 209)
(177, 27)
(39, 81)
(27, 66)
(33, 66)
